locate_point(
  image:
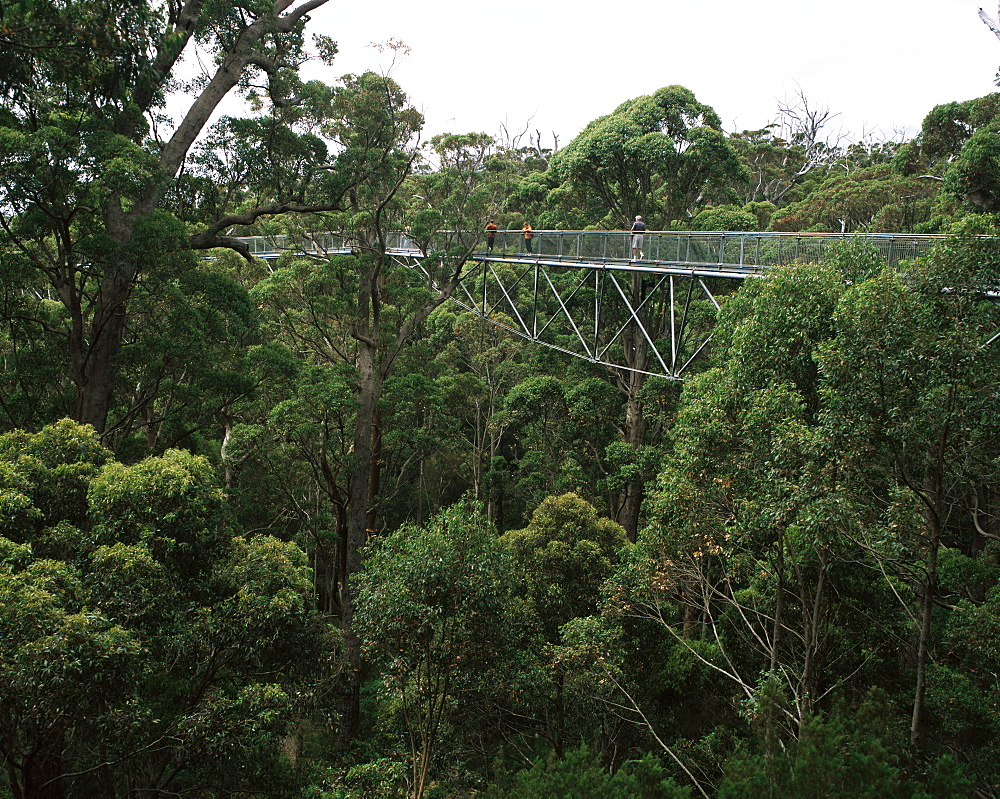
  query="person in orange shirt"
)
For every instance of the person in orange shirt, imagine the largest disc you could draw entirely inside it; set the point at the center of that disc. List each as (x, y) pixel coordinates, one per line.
(528, 235)
(491, 236)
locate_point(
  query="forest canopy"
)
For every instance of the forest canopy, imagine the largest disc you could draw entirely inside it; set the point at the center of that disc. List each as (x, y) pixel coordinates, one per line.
(302, 526)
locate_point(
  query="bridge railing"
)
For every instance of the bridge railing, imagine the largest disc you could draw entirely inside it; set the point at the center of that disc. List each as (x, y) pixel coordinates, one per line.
(315, 243)
(739, 250)
(319, 244)
(746, 252)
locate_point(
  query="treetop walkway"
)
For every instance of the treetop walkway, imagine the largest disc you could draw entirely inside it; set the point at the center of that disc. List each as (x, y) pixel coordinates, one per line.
(580, 292)
(712, 254)
(689, 252)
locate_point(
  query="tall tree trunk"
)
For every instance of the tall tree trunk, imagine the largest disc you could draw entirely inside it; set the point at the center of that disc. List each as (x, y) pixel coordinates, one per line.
(374, 469)
(637, 358)
(927, 591)
(43, 769)
(95, 348)
(369, 389)
(779, 605)
(933, 494)
(635, 437)
(95, 361)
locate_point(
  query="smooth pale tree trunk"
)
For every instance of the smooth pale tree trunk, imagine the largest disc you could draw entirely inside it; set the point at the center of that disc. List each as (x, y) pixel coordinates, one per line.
(927, 591)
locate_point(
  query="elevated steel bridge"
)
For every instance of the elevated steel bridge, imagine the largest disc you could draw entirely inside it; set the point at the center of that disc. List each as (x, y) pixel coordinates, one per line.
(580, 292)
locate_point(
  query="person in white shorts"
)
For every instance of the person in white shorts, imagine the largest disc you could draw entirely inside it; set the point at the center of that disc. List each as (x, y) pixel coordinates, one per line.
(638, 228)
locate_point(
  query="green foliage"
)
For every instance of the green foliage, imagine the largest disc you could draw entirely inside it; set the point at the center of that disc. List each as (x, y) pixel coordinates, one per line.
(840, 756)
(53, 468)
(115, 656)
(566, 551)
(840, 455)
(434, 591)
(841, 418)
(98, 50)
(377, 779)
(962, 692)
(776, 167)
(724, 217)
(434, 612)
(974, 176)
(171, 505)
(579, 775)
(873, 199)
(856, 259)
(96, 205)
(554, 436)
(656, 156)
(947, 127)
(770, 328)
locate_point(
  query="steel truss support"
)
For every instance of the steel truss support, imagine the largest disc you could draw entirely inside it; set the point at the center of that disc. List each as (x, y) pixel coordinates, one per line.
(596, 311)
(620, 316)
(579, 293)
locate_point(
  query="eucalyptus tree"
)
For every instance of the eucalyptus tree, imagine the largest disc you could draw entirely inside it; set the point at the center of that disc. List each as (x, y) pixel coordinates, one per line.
(359, 315)
(435, 615)
(479, 363)
(949, 126)
(877, 199)
(89, 162)
(562, 556)
(660, 156)
(774, 165)
(748, 542)
(911, 397)
(146, 649)
(974, 176)
(840, 456)
(954, 152)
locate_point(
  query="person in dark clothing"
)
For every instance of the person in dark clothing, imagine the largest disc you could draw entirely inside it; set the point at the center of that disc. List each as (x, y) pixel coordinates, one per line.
(638, 228)
(528, 235)
(491, 236)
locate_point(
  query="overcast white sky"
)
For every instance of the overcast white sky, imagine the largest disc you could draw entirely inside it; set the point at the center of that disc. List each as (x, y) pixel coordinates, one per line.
(556, 65)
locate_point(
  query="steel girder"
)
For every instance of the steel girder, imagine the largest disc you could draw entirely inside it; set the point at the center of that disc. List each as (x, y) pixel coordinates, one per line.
(652, 319)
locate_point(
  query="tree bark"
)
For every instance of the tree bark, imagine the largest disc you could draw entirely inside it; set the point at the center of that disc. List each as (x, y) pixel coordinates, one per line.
(924, 635)
(933, 496)
(368, 392)
(96, 361)
(635, 437)
(637, 358)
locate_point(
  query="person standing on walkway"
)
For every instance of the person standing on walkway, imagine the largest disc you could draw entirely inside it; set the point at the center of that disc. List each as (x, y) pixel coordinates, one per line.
(491, 236)
(638, 228)
(528, 235)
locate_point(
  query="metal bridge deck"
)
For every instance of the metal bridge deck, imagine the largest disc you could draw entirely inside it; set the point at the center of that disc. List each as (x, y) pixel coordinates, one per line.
(579, 291)
(738, 254)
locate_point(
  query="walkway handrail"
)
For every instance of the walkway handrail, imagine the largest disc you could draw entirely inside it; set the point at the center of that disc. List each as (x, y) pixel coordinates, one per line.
(580, 292)
(744, 252)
